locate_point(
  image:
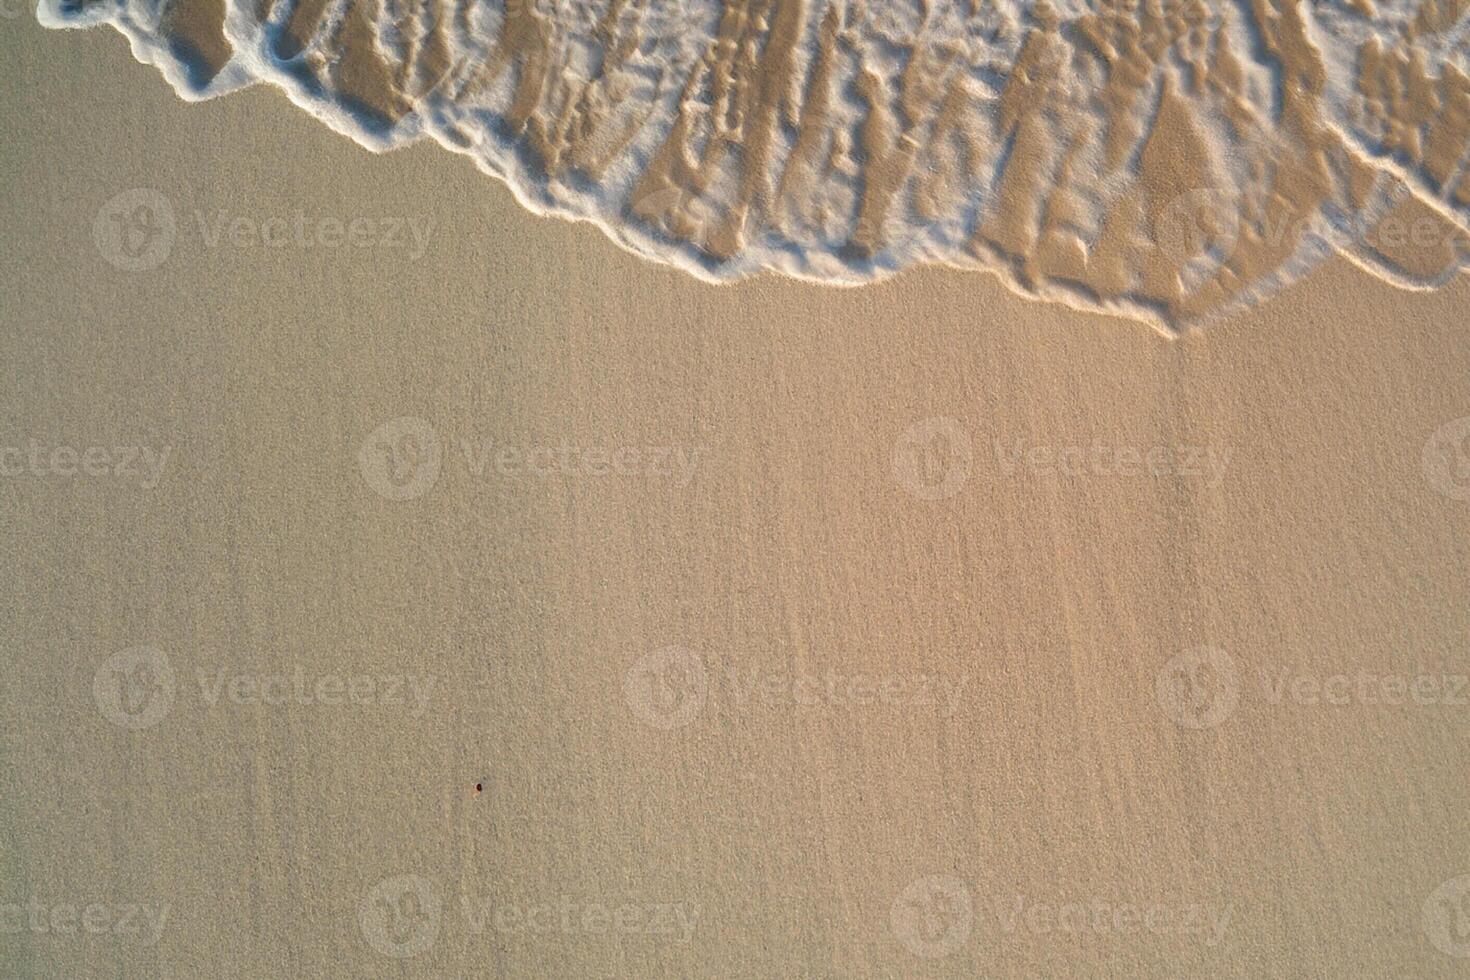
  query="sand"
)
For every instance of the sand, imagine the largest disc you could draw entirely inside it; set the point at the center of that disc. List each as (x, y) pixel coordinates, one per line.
(787, 630)
(1174, 163)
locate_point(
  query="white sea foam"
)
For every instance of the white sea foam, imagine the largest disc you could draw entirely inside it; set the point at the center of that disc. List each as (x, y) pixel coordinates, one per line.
(1170, 160)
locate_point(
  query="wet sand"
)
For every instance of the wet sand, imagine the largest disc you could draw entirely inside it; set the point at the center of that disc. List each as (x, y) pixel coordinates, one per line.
(1174, 163)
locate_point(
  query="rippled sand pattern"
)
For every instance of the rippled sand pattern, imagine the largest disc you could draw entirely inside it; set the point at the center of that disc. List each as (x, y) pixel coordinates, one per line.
(1165, 160)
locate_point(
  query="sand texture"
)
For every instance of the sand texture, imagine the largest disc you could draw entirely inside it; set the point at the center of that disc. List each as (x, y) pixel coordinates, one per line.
(1173, 161)
(916, 629)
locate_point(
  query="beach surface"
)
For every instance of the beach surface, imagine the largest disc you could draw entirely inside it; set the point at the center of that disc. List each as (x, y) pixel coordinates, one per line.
(404, 583)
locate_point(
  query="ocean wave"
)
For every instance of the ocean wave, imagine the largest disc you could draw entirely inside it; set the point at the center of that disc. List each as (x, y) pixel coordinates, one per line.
(1171, 161)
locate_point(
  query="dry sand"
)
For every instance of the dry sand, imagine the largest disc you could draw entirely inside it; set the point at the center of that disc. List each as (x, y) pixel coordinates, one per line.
(773, 797)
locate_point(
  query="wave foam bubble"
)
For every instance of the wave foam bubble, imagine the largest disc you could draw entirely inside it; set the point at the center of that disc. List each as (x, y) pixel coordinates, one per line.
(1172, 160)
